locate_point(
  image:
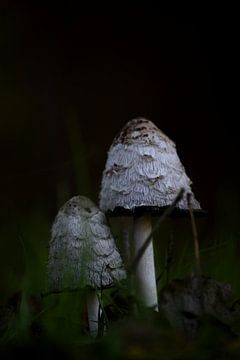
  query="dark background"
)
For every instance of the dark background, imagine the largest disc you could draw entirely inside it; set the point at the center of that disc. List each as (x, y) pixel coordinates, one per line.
(70, 80)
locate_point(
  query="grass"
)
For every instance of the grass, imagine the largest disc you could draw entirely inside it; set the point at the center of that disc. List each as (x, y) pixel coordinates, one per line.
(58, 323)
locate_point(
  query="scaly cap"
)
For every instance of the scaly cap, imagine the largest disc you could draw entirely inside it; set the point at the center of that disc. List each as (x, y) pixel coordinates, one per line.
(143, 171)
(82, 250)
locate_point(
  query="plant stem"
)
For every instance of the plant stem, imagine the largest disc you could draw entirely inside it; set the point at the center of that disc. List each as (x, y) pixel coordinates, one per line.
(127, 224)
(195, 236)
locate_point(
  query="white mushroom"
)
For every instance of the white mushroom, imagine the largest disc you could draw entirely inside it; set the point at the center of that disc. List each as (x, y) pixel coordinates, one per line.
(83, 253)
(143, 175)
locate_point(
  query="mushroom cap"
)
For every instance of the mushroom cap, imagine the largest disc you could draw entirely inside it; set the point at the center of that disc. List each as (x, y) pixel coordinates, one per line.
(143, 172)
(82, 250)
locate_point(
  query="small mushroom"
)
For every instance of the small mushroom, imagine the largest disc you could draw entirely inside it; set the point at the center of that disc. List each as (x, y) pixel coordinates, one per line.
(142, 176)
(83, 253)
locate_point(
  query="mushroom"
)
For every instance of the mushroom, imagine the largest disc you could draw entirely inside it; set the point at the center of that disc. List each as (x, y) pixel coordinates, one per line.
(83, 254)
(142, 176)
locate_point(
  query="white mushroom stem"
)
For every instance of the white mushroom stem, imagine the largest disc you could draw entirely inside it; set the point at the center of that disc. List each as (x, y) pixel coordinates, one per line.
(145, 278)
(93, 308)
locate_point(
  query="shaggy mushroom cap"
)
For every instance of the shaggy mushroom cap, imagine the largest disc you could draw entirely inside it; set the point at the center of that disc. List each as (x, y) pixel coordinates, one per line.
(82, 250)
(143, 172)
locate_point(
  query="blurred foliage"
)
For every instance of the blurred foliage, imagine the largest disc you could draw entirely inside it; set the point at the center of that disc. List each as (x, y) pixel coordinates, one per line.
(44, 70)
(56, 325)
(41, 327)
(37, 326)
(79, 155)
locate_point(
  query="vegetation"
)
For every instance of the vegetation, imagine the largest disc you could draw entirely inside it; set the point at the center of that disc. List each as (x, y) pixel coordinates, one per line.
(33, 325)
(42, 327)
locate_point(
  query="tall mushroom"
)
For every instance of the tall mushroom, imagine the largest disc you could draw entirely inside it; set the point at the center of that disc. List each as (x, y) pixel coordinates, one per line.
(142, 176)
(83, 253)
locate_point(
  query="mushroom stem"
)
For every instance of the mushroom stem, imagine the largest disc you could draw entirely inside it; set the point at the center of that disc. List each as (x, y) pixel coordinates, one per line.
(145, 278)
(93, 308)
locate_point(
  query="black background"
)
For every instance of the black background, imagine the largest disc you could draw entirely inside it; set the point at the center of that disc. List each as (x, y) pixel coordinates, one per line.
(102, 69)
